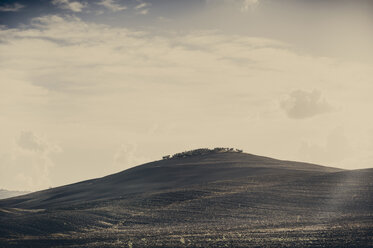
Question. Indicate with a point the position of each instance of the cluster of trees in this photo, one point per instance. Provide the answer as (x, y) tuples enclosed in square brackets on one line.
[(201, 151)]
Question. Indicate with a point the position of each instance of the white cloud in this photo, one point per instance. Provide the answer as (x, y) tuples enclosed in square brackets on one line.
[(141, 5), (241, 5), (142, 8), (127, 156), (112, 5), (302, 104), (248, 4), (144, 11), (11, 7), (69, 5), (29, 163)]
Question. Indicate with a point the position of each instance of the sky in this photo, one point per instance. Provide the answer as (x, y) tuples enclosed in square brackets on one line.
[(90, 88)]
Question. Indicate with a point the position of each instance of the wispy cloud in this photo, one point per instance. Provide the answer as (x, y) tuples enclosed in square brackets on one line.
[(248, 4), (241, 5), (69, 5), (127, 156), (11, 7), (30, 162), (144, 11), (142, 8), (141, 5), (112, 5), (29, 141)]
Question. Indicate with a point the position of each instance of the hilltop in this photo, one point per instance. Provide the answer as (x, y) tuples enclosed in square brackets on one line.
[(202, 151)]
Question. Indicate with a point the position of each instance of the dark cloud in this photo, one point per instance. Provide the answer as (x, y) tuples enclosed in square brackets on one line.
[(11, 7), (302, 104)]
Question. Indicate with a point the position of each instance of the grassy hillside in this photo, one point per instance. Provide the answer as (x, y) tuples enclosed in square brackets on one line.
[(211, 200)]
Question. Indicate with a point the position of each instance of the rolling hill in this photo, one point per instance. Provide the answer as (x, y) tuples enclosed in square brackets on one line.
[(228, 199), (11, 193)]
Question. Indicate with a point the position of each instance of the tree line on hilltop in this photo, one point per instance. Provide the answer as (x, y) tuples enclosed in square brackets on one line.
[(201, 151)]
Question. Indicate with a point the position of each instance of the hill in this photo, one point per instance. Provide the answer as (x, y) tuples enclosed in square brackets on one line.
[(220, 199), (11, 193)]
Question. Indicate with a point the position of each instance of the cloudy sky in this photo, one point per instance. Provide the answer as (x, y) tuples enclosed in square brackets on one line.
[(89, 88)]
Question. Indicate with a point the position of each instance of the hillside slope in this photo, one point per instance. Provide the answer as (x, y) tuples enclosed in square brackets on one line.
[(11, 193), (224, 199), (163, 174)]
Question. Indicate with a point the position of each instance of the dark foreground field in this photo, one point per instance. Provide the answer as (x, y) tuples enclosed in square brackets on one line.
[(215, 200)]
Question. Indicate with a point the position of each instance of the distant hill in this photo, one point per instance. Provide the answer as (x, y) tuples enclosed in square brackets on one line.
[(158, 175), (213, 199), (9, 193)]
